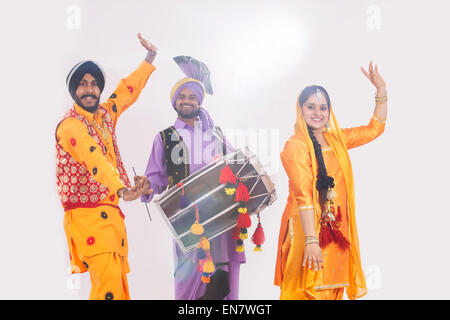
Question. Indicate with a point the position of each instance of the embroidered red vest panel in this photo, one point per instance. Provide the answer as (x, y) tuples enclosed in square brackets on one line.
[(76, 186)]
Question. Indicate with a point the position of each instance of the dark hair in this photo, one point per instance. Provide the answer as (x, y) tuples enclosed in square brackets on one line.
[(309, 91), (324, 182)]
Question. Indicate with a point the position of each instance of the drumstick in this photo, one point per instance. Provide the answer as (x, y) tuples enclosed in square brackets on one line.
[(148, 212)]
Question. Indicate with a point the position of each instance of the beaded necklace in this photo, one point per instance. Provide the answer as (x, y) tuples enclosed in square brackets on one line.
[(104, 130)]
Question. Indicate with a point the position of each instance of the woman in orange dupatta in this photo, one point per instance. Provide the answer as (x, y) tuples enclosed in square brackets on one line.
[(318, 249)]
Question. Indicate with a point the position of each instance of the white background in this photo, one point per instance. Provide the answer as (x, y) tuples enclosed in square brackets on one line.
[(261, 55)]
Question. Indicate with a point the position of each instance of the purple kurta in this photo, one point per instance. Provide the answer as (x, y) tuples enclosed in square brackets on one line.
[(202, 147)]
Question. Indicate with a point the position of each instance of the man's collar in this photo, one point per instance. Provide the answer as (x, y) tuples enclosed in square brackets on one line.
[(86, 114), (180, 124)]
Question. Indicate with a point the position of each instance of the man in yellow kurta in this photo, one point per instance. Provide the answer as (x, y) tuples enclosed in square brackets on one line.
[(91, 176)]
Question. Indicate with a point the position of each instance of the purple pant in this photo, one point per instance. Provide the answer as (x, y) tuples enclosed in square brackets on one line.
[(188, 284)]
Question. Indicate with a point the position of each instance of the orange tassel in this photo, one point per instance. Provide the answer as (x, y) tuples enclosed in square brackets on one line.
[(205, 279), (208, 266), (197, 228), (204, 244)]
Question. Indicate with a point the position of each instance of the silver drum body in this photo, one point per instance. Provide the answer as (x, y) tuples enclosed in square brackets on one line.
[(217, 211)]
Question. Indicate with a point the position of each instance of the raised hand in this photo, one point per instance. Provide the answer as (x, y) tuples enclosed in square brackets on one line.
[(151, 49), (374, 76), (147, 44)]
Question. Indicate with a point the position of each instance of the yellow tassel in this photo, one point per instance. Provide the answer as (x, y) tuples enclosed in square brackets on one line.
[(197, 228), (230, 191), (242, 210), (208, 266), (204, 244), (257, 249), (243, 236), (240, 248)]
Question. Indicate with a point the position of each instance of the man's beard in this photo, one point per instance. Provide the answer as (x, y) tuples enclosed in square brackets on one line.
[(190, 115), (88, 109)]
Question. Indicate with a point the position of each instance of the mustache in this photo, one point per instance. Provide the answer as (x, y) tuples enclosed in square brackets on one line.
[(88, 96)]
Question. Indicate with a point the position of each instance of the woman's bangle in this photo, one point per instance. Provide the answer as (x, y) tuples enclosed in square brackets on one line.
[(311, 239), (311, 242), (381, 99)]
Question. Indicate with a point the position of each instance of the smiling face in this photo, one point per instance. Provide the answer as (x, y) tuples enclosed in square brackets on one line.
[(187, 104), (88, 93), (316, 111)]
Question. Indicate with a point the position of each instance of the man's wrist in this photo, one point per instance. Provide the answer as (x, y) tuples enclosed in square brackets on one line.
[(121, 191), (150, 56)]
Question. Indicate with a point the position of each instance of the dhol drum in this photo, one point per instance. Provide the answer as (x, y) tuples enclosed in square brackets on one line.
[(217, 211)]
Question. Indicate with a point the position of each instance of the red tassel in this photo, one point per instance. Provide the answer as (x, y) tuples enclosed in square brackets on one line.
[(244, 221), (258, 237), (235, 233), (339, 215), (242, 193), (184, 202), (340, 240), (325, 236), (227, 176)]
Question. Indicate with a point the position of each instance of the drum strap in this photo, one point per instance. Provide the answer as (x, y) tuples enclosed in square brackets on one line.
[(180, 170), (219, 134)]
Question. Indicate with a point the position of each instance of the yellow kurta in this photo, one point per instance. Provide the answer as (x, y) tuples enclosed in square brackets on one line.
[(101, 229), (341, 268)]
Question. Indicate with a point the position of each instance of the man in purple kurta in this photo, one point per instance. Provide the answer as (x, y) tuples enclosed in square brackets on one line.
[(195, 129)]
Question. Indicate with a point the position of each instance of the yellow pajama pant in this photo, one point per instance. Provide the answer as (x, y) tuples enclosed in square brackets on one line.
[(330, 294), (108, 273)]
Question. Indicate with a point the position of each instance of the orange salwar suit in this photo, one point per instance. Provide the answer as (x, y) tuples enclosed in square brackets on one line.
[(341, 269)]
